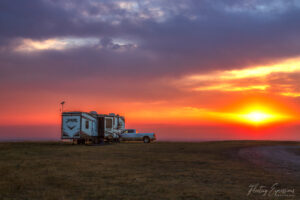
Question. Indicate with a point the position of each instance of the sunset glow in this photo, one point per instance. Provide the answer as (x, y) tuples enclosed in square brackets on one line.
[(287, 66), (159, 63), (252, 79)]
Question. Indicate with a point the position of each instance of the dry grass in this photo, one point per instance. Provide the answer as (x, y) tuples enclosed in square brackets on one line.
[(209, 170)]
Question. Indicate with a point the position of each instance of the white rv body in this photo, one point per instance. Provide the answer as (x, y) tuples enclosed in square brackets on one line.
[(76, 124), (91, 126)]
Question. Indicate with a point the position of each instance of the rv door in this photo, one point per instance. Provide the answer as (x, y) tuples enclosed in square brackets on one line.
[(108, 124), (101, 127)]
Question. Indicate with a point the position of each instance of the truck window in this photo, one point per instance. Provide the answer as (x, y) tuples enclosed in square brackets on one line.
[(108, 123), (130, 131), (87, 124)]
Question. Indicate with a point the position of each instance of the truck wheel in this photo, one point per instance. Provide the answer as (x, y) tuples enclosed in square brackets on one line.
[(146, 140)]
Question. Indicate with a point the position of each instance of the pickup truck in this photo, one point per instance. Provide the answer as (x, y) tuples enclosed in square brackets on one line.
[(132, 135)]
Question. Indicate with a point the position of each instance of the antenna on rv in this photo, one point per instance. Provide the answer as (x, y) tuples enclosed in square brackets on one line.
[(62, 106)]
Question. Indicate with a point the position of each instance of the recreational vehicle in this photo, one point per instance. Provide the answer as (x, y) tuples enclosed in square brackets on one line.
[(97, 128)]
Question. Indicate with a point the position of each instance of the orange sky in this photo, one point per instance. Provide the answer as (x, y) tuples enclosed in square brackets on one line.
[(221, 98), (184, 69)]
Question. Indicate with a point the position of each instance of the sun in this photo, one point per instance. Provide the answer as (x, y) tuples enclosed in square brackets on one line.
[(261, 114), (258, 117), (256, 114)]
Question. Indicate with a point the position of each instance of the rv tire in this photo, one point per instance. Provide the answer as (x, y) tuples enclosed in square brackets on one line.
[(81, 141)]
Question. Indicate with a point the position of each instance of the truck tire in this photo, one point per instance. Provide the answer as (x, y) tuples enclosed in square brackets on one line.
[(146, 140)]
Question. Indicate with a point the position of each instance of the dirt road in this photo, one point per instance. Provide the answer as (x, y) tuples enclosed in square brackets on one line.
[(281, 159)]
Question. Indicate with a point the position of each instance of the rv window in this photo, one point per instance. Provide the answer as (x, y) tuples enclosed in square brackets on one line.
[(108, 123), (87, 124)]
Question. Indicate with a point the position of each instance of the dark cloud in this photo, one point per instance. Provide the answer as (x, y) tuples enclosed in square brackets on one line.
[(161, 39)]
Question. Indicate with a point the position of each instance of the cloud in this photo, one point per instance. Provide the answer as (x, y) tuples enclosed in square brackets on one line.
[(187, 37), (290, 94), (231, 88), (60, 44), (281, 79), (28, 45), (140, 50)]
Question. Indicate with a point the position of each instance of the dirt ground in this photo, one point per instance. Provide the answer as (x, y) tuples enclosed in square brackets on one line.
[(208, 170), (279, 159)]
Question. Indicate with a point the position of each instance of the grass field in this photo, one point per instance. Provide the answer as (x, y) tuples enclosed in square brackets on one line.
[(208, 170)]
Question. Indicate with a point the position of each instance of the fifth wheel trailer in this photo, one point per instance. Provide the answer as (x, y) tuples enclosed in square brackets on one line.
[(97, 128)]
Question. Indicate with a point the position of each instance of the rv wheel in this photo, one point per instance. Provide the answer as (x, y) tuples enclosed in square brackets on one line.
[(81, 141), (146, 140)]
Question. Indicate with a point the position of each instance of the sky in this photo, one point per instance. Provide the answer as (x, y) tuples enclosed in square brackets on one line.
[(188, 70)]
